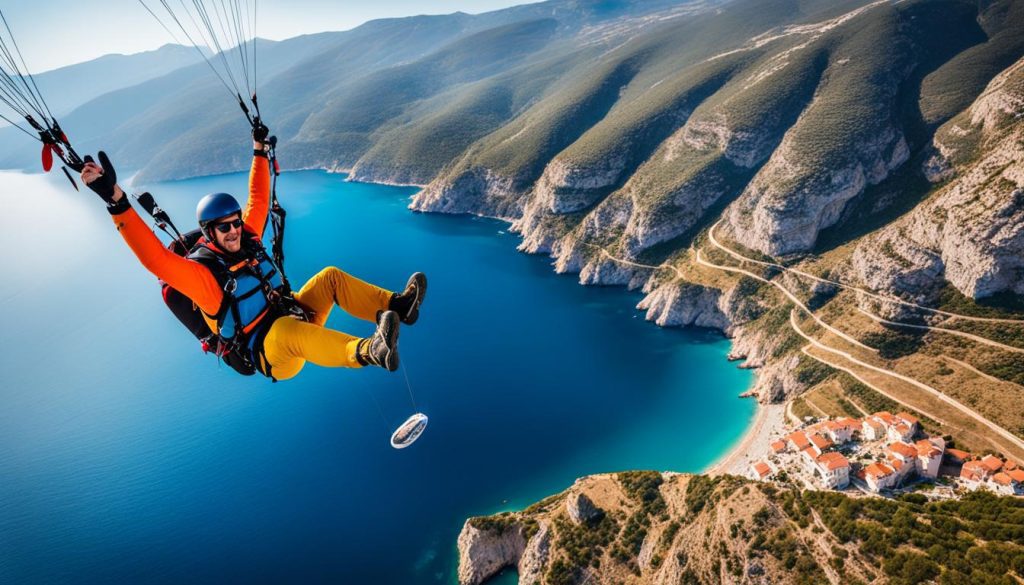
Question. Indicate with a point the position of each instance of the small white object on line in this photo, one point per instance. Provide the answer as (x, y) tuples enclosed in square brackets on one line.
[(409, 431)]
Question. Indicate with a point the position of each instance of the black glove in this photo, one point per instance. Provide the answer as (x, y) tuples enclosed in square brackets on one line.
[(260, 131), (104, 184)]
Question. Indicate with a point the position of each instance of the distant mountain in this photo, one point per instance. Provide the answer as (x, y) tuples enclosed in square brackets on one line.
[(838, 185), (316, 88), (68, 87)]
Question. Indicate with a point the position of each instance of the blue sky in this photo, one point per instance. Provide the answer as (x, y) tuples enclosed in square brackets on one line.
[(53, 33)]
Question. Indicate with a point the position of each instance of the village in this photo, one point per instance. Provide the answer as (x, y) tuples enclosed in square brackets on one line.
[(882, 454)]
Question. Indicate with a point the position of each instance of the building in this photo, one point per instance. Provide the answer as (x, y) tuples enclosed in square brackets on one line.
[(819, 443), (778, 447), (1002, 484), (957, 457), (929, 456), (842, 430), (992, 463), (973, 473), (872, 429), (880, 476), (760, 470), (809, 456), (909, 420), (798, 440), (833, 469), (900, 432), (1017, 476), (905, 452)]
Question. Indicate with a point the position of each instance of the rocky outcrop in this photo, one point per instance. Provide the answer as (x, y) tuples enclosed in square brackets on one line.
[(487, 546), (745, 148), (676, 304), (581, 509), (971, 232), (477, 191), (789, 202)]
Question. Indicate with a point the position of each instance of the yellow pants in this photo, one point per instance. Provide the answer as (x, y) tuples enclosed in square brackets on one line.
[(290, 343)]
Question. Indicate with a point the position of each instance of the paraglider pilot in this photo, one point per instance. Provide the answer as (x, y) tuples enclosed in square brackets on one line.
[(238, 291)]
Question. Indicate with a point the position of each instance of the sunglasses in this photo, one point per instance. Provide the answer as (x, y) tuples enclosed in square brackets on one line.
[(226, 226)]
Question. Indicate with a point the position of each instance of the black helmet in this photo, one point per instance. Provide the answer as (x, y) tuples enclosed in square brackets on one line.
[(213, 207)]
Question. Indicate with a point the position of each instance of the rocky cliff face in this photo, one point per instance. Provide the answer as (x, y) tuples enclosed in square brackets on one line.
[(648, 527), (971, 231), (487, 546), (477, 191)]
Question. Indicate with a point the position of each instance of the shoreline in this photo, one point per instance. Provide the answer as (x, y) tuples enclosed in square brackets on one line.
[(753, 445), (769, 420)]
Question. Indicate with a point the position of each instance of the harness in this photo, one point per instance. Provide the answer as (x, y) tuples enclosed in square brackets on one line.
[(254, 296), (255, 293)]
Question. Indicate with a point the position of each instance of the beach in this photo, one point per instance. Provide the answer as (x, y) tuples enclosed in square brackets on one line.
[(768, 424)]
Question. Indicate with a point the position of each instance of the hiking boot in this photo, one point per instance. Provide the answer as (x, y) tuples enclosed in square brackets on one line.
[(407, 303), (381, 349)]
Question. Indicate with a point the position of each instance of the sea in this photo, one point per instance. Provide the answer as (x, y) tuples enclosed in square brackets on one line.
[(129, 456)]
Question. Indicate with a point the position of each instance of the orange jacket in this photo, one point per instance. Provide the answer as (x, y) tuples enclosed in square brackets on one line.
[(189, 277)]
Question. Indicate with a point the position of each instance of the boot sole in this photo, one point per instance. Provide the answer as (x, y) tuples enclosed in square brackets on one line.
[(421, 293), (388, 329)]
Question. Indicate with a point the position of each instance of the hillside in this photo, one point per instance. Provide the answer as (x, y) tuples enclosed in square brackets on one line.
[(838, 186), (67, 88), (647, 527)]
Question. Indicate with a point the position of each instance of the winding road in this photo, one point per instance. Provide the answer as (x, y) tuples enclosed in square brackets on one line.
[(742, 258), (971, 413)]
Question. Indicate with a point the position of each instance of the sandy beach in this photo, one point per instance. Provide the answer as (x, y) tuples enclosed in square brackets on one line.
[(769, 423)]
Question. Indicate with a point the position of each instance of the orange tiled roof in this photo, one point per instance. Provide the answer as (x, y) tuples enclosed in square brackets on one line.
[(925, 448), (902, 429), (810, 452), (992, 463), (1002, 479), (973, 470), (1017, 475), (820, 442), (878, 470), (885, 417), (874, 424), (903, 449), (895, 463), (762, 469), (833, 461), (850, 423), (799, 439), (961, 455), (907, 417), (778, 446)]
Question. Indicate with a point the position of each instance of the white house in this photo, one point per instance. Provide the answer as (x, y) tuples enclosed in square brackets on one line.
[(880, 476), (760, 470), (834, 470), (900, 432), (872, 429), (929, 456)]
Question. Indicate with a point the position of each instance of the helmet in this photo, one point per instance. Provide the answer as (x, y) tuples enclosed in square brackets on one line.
[(213, 207)]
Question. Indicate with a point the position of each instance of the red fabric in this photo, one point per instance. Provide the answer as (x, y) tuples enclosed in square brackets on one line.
[(47, 157)]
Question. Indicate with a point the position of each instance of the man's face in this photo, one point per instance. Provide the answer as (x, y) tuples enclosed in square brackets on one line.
[(228, 232)]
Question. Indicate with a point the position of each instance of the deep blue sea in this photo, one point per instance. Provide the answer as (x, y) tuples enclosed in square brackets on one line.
[(128, 456)]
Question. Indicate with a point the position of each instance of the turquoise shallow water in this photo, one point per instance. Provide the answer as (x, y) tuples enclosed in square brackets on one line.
[(128, 456)]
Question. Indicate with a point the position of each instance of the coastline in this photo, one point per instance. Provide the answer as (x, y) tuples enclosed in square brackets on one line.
[(769, 420)]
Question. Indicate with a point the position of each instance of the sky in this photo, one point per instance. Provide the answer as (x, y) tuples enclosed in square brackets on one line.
[(54, 33)]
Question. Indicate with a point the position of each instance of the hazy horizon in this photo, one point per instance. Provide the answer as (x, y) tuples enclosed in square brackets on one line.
[(124, 26)]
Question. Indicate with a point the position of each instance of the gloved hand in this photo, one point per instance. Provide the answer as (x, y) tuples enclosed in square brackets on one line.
[(260, 132), (102, 181)]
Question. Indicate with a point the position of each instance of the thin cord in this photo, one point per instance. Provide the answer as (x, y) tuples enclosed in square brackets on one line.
[(409, 387)]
